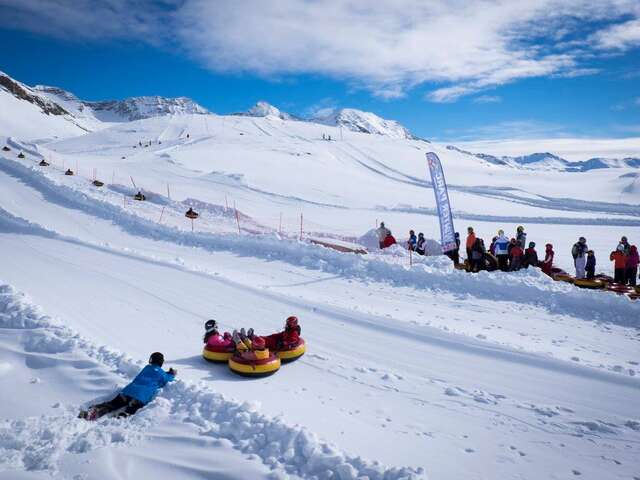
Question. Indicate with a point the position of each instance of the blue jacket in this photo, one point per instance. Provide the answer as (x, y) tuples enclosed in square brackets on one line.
[(502, 245), (147, 383)]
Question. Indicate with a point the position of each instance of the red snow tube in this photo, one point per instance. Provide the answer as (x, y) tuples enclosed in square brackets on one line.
[(260, 363), (621, 289), (292, 352)]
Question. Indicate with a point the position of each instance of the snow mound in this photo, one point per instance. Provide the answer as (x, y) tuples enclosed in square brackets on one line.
[(370, 240)]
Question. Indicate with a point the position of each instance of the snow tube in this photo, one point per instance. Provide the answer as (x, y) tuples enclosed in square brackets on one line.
[(260, 363), (191, 214), (621, 289), (562, 276), (97, 183), (140, 197), (21, 155), (292, 353), (69, 172), (604, 278), (633, 296), (589, 283), (217, 353), (43, 163)]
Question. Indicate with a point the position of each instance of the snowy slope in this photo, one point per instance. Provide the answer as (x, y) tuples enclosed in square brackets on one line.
[(414, 370), (363, 122)]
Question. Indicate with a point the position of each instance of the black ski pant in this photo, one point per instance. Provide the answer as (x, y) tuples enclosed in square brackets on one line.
[(630, 276), (618, 275), (503, 262), (132, 405), (591, 273)]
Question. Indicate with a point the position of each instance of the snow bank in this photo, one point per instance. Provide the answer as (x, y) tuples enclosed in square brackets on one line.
[(530, 286), (38, 443)]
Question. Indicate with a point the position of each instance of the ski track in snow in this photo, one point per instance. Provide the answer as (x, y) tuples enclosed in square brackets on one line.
[(38, 443)]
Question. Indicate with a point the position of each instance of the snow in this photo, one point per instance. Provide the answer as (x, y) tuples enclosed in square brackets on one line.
[(413, 370), (363, 122)]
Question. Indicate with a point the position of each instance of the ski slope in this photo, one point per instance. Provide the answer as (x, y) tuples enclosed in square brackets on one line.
[(413, 371)]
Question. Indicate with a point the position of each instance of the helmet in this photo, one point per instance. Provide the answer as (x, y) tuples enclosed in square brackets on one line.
[(421, 234), (469, 229), (500, 232), (292, 321), (621, 248), (520, 228), (548, 245), (258, 343), (582, 240), (156, 358), (532, 244), (210, 325)]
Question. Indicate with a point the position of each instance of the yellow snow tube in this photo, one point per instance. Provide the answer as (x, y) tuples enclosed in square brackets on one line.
[(563, 277), (292, 354), (214, 356), (589, 283), (254, 367)]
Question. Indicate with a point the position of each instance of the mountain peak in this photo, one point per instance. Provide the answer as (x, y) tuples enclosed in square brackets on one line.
[(138, 108), (363, 122), (265, 109)]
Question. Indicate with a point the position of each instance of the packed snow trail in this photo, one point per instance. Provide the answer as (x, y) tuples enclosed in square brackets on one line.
[(282, 447), (529, 287), (169, 303)]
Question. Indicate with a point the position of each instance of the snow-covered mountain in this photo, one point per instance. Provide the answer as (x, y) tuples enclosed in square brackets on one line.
[(77, 115), (549, 161), (265, 109), (364, 122)]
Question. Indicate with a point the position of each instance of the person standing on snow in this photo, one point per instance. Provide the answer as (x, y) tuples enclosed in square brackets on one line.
[(502, 251), (590, 268), (413, 240), (547, 264), (516, 253), (625, 243), (471, 240), (382, 233), (619, 260), (478, 252), (138, 393), (420, 250), (631, 270), (530, 256), (579, 253), (492, 247), (521, 237)]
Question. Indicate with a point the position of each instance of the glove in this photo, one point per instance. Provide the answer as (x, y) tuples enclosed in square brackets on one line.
[(173, 371)]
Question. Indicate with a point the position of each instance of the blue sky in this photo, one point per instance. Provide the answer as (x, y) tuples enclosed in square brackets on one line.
[(478, 70)]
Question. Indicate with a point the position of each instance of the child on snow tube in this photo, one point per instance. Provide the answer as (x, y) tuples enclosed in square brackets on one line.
[(288, 343), (255, 360), (218, 348)]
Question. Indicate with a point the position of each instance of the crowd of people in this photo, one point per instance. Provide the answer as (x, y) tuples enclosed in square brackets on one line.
[(511, 254)]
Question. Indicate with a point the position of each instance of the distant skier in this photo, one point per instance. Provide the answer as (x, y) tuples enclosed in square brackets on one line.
[(530, 256), (590, 267), (138, 393), (547, 264), (579, 253), (631, 271), (502, 251), (521, 237), (420, 244), (413, 240), (619, 260), (471, 240)]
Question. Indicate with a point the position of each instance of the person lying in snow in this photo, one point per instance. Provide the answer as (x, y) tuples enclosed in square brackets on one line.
[(138, 393)]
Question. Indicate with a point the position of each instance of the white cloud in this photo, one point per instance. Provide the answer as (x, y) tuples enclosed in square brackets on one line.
[(386, 46), (619, 37), (488, 99)]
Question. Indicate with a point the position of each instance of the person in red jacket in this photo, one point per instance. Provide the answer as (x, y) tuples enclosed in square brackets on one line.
[(388, 240), (516, 254), (632, 266), (547, 264), (619, 260), (287, 338), (471, 240)]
